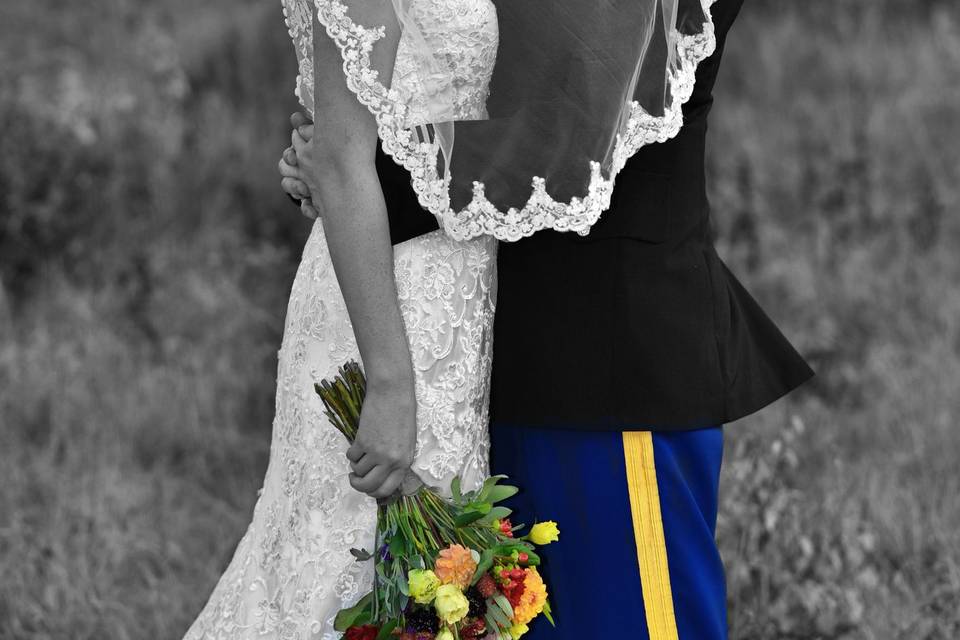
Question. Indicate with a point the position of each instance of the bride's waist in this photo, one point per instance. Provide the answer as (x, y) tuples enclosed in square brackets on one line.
[(434, 243)]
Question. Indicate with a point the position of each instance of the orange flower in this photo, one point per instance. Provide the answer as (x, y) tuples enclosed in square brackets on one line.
[(532, 600), (455, 565)]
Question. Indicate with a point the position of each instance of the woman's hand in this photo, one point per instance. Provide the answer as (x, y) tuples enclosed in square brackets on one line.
[(386, 440), (289, 166)]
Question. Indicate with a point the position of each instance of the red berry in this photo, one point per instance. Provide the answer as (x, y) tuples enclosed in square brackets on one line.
[(486, 585), (523, 557), (365, 632), (473, 630)]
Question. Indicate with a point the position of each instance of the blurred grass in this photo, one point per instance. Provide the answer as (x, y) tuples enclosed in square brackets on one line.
[(146, 255)]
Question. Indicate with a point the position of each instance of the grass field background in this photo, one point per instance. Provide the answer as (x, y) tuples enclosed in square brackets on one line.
[(146, 254)]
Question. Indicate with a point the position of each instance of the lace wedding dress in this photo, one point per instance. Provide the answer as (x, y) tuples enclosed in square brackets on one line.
[(292, 571)]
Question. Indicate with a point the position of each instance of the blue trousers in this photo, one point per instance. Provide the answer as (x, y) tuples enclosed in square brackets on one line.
[(637, 556)]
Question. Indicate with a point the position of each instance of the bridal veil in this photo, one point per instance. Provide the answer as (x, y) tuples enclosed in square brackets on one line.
[(576, 87)]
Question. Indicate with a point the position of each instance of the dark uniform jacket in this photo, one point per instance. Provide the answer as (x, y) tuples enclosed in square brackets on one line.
[(638, 325)]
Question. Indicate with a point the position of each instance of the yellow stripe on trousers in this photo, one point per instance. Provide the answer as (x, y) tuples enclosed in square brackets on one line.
[(648, 533)]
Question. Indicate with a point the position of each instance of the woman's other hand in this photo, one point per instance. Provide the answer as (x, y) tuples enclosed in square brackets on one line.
[(289, 168), (386, 441)]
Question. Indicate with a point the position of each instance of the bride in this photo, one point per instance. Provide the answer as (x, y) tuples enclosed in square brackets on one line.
[(418, 316)]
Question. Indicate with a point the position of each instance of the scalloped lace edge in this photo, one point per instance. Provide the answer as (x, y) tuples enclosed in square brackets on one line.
[(480, 216)]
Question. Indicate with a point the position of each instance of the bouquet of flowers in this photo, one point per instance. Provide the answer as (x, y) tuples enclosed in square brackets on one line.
[(444, 568)]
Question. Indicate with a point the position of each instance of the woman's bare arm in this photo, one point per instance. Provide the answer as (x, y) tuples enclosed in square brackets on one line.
[(335, 158)]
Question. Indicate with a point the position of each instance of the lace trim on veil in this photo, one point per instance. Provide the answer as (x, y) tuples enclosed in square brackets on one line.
[(480, 216)]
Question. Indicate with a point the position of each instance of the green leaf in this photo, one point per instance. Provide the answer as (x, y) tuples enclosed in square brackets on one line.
[(362, 555), (467, 517), (506, 548), (493, 625), (488, 485), (397, 546), (498, 513), (504, 604), (387, 629), (499, 615), (501, 492), (548, 613), (455, 488), (482, 507), (354, 616), (483, 565)]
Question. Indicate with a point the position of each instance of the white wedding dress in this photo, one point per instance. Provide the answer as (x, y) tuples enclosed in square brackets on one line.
[(292, 571)]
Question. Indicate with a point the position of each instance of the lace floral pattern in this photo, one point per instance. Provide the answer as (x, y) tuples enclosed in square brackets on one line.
[(463, 34), (467, 47), (480, 216), (292, 570)]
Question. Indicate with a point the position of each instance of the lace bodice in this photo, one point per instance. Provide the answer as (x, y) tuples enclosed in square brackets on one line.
[(463, 32)]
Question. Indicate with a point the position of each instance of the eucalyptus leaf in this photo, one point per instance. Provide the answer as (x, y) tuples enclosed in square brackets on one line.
[(504, 604), (493, 625), (499, 615)]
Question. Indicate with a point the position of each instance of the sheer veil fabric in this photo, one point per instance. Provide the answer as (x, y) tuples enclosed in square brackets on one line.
[(576, 87)]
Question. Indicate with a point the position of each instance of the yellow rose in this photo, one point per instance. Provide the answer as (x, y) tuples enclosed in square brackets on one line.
[(516, 631), (423, 585), (445, 634), (451, 604), (544, 533)]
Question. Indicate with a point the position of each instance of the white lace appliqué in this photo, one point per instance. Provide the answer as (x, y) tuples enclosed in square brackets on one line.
[(292, 571), (480, 216)]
